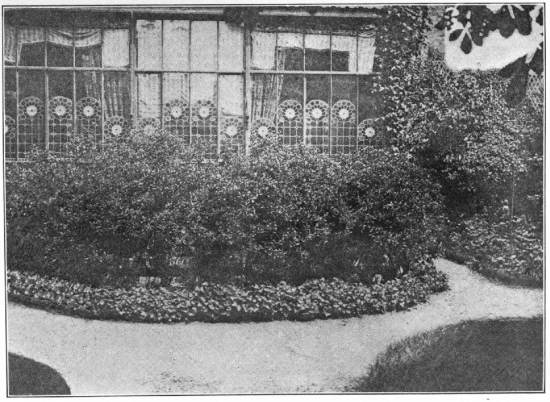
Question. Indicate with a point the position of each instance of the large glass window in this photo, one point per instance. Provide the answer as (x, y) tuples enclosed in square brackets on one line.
[(97, 77), (64, 79), (194, 79), (312, 87)]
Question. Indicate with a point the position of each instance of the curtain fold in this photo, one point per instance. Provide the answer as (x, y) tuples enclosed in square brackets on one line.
[(63, 37)]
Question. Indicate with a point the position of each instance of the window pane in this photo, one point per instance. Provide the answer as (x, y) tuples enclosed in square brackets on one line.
[(149, 44), (31, 111), (203, 45), (290, 52), (175, 87), (344, 53), (88, 105), (366, 54), (317, 111), (10, 44), (231, 47), (117, 104), (263, 50), (176, 104), (31, 46), (176, 45), (204, 119), (115, 48), (60, 47), (10, 115), (290, 110), (60, 109), (367, 110), (266, 94), (148, 95), (343, 121), (317, 52), (231, 107), (88, 47)]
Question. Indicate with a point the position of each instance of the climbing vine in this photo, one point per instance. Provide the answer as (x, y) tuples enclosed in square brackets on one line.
[(400, 38)]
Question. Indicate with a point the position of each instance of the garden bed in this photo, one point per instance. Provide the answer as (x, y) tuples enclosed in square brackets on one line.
[(509, 251), (209, 302)]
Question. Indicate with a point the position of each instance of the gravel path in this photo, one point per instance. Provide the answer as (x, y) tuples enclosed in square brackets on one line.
[(101, 357)]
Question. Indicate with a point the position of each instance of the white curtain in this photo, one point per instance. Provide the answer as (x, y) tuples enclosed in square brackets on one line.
[(114, 45)]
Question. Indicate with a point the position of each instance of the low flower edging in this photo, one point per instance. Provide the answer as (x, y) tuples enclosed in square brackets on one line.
[(315, 299)]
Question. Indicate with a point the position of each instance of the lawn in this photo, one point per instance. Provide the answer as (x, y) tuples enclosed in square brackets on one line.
[(27, 377), (476, 356)]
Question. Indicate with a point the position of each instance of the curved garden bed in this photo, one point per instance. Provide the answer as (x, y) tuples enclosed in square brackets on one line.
[(209, 302)]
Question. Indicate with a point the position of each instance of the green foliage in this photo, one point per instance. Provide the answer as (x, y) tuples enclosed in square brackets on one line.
[(210, 302), (400, 37), (457, 125), (281, 213), (508, 249)]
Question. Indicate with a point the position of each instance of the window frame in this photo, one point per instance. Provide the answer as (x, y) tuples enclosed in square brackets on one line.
[(46, 69), (331, 73), (189, 72), (132, 70)]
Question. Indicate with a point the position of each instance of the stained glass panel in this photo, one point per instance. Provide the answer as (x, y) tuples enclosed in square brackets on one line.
[(30, 111)]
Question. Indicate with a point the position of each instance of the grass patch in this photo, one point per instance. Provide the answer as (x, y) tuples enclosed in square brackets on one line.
[(27, 377), (475, 356)]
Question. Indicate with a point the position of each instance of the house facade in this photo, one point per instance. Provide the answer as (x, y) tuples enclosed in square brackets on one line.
[(216, 74)]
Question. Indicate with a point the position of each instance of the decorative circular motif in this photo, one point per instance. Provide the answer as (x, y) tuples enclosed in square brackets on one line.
[(366, 129), (61, 107), (88, 107), (317, 110), (31, 110), (31, 107), (343, 114), (115, 126), (204, 110), (369, 132), (88, 111), (263, 128), (316, 113), (148, 125), (231, 131), (60, 110), (343, 110), (176, 109), (116, 129), (232, 126), (289, 110), (263, 131), (176, 112), (290, 113), (9, 127)]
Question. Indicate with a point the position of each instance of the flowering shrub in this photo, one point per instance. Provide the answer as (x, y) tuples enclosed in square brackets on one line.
[(509, 249), (209, 302)]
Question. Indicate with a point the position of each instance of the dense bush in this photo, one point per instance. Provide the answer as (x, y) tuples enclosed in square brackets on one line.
[(458, 125), (318, 298), (280, 213), (507, 249)]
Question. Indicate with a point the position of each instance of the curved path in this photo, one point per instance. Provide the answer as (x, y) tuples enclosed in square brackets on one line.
[(102, 357)]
